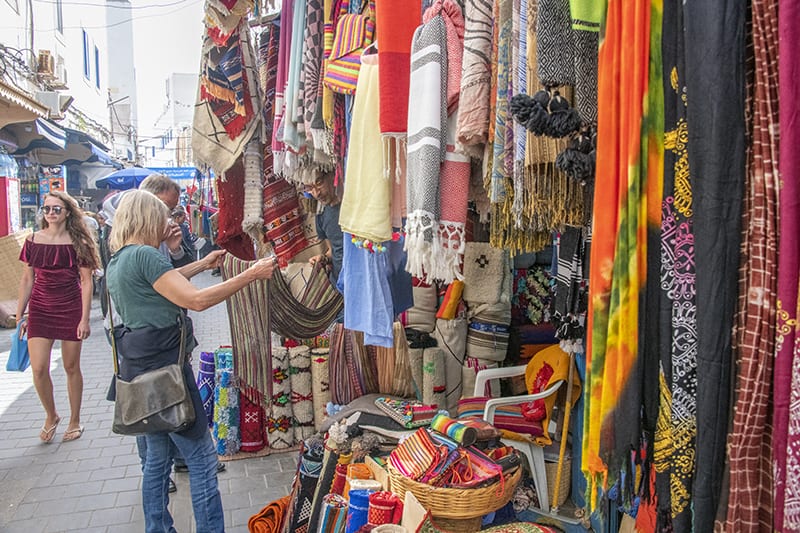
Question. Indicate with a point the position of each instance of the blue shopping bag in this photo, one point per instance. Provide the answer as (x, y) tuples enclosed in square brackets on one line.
[(19, 359)]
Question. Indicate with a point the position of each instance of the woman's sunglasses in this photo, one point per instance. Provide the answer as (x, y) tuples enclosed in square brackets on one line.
[(56, 209)]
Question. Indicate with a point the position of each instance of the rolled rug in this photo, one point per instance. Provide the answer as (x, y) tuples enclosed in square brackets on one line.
[(281, 433), (462, 434), (309, 471), (205, 383), (340, 473), (358, 511), (433, 377), (366, 484), (415, 361), (251, 425), (226, 404), (320, 384), (355, 472), (330, 459), (302, 397), (487, 341), (334, 514), (451, 337), (384, 508)]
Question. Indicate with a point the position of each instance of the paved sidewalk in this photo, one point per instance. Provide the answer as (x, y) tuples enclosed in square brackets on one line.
[(93, 484)]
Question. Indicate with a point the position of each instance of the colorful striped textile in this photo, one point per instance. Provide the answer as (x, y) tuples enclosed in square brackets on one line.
[(334, 514), (384, 508), (248, 313), (508, 417), (618, 261)]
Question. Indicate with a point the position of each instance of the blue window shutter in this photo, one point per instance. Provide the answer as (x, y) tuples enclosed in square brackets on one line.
[(87, 73)]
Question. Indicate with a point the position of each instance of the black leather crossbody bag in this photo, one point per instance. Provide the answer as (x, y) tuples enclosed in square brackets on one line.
[(153, 402)]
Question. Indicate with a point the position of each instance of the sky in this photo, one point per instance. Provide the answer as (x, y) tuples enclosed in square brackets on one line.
[(167, 35)]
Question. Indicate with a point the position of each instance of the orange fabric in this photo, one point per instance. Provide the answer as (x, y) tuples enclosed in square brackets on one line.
[(270, 518)]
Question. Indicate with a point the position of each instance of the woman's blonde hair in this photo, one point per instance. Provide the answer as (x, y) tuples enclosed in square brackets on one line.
[(79, 234), (141, 218)]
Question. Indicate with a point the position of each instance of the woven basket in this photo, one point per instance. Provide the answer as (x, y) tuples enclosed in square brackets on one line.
[(459, 504), (564, 485)]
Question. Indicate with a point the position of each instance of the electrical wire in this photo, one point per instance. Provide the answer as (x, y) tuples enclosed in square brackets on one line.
[(94, 4), (120, 23)]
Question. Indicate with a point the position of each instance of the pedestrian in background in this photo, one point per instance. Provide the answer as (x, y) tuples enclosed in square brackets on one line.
[(149, 294), (57, 288)]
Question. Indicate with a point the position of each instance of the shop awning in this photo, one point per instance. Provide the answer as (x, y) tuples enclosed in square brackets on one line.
[(80, 148), (16, 106), (40, 133)]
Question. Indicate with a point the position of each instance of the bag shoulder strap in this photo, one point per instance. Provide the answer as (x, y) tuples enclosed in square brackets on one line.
[(181, 349)]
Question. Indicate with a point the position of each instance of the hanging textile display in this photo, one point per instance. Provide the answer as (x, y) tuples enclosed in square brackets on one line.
[(230, 235), (279, 425), (312, 63), (427, 128), (228, 110), (617, 275), (294, 137), (716, 156), (784, 444), (248, 315), (554, 61), (473, 116), (397, 22), (302, 398), (365, 210), (283, 216), (750, 466), (320, 385), (252, 223), (281, 77), (205, 384), (499, 172), (226, 404)]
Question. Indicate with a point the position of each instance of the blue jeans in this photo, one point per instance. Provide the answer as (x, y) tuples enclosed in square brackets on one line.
[(201, 457), (141, 447)]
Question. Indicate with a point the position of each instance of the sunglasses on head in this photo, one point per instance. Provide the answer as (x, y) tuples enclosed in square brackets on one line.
[(56, 209)]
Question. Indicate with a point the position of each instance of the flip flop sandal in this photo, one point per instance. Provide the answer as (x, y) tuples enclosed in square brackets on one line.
[(47, 434), (73, 434)]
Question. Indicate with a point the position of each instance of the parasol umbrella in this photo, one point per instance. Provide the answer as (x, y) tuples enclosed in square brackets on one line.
[(127, 178)]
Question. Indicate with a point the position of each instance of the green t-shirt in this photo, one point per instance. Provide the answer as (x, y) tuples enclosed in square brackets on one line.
[(130, 277)]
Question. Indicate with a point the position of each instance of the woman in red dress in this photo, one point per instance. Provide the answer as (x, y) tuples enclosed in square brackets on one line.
[(57, 290)]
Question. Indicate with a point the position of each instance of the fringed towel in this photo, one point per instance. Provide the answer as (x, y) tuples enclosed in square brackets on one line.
[(473, 122), (293, 123), (366, 204), (555, 62), (284, 56), (427, 129)]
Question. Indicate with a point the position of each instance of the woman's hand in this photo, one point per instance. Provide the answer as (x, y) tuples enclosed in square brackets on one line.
[(316, 259), (263, 268), (22, 322), (84, 330), (173, 236), (214, 259)]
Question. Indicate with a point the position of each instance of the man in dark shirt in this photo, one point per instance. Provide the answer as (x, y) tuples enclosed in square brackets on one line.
[(327, 221)]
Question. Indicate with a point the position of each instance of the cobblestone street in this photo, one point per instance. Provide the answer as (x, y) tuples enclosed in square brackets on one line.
[(93, 484)]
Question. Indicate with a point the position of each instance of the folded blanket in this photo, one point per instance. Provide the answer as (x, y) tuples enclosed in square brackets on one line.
[(270, 518)]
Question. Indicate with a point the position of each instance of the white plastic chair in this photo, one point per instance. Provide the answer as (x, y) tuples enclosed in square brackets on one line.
[(532, 452)]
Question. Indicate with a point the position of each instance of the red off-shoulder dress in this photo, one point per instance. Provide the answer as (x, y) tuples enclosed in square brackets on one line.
[(54, 309)]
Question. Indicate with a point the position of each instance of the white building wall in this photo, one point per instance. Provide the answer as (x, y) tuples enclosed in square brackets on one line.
[(122, 105)]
